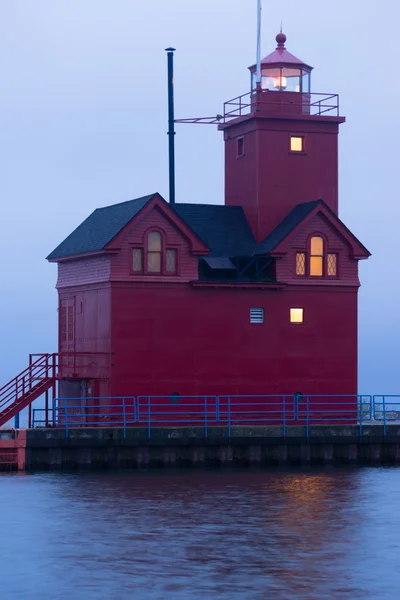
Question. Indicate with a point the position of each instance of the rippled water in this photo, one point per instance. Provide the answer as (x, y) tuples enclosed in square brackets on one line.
[(218, 535)]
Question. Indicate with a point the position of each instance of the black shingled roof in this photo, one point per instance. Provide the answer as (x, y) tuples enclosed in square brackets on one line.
[(285, 227), (224, 229), (99, 228)]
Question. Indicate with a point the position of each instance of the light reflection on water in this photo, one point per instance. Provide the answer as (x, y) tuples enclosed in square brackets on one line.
[(224, 535)]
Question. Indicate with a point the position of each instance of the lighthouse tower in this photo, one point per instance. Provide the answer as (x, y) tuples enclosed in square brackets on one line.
[(282, 149)]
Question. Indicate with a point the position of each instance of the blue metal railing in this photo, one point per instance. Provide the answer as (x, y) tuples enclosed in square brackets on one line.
[(221, 411)]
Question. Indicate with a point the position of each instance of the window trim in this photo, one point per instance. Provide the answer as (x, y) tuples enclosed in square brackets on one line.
[(146, 253), (337, 265), (303, 315), (303, 137), (305, 263), (177, 255), (132, 248), (240, 140), (326, 252), (164, 247)]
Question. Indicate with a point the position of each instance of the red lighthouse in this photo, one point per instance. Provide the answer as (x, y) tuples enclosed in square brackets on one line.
[(257, 296), (285, 150)]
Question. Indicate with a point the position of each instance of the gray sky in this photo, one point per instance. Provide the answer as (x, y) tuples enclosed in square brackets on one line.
[(83, 112)]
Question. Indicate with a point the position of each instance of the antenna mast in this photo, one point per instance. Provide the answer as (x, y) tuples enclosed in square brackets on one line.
[(259, 10)]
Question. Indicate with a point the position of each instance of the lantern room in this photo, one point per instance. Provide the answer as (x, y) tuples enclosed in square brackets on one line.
[(282, 72)]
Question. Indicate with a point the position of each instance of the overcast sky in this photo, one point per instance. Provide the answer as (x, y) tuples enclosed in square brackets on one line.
[(83, 111)]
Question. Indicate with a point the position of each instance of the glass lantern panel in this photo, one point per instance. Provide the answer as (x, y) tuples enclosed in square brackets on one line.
[(291, 80), (270, 79), (306, 82)]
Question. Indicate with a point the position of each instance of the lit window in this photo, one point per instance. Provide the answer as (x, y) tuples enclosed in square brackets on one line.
[(332, 265), (317, 257), (300, 263), (256, 315), (154, 251), (297, 315), (137, 260), (296, 144), (240, 147), (170, 260)]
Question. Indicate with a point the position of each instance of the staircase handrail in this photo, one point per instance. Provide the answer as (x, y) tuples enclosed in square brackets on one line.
[(42, 368)]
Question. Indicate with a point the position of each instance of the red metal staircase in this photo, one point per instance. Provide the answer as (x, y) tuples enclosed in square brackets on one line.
[(29, 385)]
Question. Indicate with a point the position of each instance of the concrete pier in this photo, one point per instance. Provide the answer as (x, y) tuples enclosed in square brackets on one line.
[(112, 448)]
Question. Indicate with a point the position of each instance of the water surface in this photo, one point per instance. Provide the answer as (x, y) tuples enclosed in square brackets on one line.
[(316, 534)]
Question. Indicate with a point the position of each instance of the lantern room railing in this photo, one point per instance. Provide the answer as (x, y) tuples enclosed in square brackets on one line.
[(274, 103)]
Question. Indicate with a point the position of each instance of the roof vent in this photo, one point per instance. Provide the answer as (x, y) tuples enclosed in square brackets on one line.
[(256, 315)]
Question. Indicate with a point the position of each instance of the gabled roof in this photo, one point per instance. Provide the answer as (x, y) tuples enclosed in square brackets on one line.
[(99, 228), (285, 227), (276, 241), (224, 229)]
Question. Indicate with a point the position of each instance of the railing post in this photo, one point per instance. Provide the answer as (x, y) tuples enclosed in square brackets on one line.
[(284, 415), (30, 416), (66, 419), (229, 416), (307, 416), (217, 414), (54, 411), (384, 415), (47, 408), (134, 410), (360, 417), (205, 417), (124, 414), (148, 417)]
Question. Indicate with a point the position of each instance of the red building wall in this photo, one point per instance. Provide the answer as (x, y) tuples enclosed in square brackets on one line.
[(85, 350), (269, 180), (198, 341), (84, 271)]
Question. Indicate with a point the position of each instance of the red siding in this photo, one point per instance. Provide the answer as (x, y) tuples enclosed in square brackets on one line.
[(134, 236), (200, 341), (347, 266), (92, 334), (269, 180), (83, 271)]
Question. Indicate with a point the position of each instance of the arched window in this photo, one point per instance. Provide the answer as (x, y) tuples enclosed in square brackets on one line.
[(154, 252), (317, 257)]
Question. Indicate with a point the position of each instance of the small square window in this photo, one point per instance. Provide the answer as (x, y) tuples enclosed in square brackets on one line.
[(240, 147), (332, 265), (137, 260), (297, 315), (300, 263), (170, 260), (296, 144), (256, 315)]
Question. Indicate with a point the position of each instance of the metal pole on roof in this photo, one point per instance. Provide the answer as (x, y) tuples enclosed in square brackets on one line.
[(171, 124), (259, 11)]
